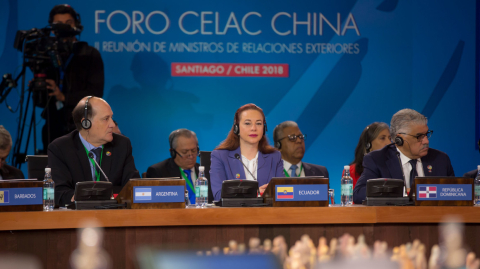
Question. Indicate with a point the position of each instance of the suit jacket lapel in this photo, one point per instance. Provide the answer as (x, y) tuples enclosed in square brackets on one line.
[(173, 169), (425, 164), (236, 166), (83, 158), (263, 170), (196, 169), (309, 172), (107, 160), (393, 164)]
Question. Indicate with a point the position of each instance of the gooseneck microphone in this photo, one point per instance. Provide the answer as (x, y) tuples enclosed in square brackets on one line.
[(93, 158), (240, 159)]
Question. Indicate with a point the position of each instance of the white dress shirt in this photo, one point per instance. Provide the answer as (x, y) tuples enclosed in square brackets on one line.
[(252, 165), (287, 166), (407, 168)]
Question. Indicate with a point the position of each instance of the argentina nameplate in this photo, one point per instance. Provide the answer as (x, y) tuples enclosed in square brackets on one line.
[(159, 194)]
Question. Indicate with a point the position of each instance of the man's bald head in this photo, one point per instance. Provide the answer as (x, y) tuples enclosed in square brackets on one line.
[(78, 112)]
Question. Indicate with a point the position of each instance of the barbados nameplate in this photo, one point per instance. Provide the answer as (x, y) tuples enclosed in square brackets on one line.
[(302, 192), (21, 196), (444, 192), (159, 194)]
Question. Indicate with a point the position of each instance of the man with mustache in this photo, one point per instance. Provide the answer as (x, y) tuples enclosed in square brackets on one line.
[(411, 149), (290, 141)]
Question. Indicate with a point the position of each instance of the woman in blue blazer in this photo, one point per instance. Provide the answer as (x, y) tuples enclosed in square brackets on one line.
[(246, 142)]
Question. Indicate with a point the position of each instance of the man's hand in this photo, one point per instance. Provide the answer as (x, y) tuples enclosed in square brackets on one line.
[(51, 85)]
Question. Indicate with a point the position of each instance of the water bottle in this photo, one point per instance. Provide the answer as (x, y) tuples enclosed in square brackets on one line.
[(477, 187), (201, 188), (187, 199), (346, 188), (48, 191)]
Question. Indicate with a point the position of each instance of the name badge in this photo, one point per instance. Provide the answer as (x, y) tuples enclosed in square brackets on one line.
[(303, 192), (21, 196), (444, 192), (159, 194)]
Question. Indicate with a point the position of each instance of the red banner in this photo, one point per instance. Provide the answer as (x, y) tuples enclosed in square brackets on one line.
[(229, 70)]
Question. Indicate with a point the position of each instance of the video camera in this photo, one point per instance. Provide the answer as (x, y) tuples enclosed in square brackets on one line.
[(42, 49)]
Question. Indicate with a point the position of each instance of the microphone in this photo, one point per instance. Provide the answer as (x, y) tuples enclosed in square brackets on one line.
[(93, 158), (240, 159)]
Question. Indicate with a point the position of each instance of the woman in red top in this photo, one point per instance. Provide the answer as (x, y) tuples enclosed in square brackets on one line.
[(374, 136)]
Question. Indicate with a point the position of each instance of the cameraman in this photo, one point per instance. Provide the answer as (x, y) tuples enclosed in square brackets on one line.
[(80, 75)]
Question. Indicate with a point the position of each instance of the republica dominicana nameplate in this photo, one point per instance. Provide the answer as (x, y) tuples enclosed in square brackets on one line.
[(444, 192), (303, 192), (159, 194)]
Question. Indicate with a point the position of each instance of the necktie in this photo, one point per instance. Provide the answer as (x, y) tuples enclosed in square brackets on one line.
[(413, 173), (294, 170), (97, 152), (191, 193)]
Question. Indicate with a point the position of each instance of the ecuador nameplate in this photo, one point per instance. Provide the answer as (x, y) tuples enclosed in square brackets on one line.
[(444, 192), (304, 192), (159, 194), (21, 196)]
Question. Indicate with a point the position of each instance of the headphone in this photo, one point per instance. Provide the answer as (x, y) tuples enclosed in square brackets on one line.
[(399, 141), (278, 145), (236, 128), (368, 144), (76, 16), (173, 152), (86, 123)]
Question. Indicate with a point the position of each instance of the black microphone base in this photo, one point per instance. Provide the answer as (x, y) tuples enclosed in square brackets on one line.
[(387, 201), (81, 205), (241, 202)]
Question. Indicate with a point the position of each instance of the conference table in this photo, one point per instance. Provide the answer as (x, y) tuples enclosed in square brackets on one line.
[(52, 236)]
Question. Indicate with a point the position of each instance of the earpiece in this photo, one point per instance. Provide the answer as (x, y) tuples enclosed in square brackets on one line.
[(236, 129), (278, 145), (86, 123), (399, 141)]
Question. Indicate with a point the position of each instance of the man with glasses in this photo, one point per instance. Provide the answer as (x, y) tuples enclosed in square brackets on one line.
[(182, 162), (408, 157), (290, 141)]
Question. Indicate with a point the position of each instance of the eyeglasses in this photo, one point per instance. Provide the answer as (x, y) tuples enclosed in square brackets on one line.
[(188, 153), (293, 138), (420, 137)]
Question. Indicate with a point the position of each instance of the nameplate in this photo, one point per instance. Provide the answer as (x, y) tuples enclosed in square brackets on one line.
[(302, 192), (444, 192), (159, 194), (21, 196)]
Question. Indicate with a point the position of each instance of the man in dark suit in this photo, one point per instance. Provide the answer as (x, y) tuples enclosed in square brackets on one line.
[(7, 171), (182, 162), (68, 155), (408, 157), (290, 141)]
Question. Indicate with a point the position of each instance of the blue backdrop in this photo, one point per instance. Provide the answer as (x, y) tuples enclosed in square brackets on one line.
[(350, 63)]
